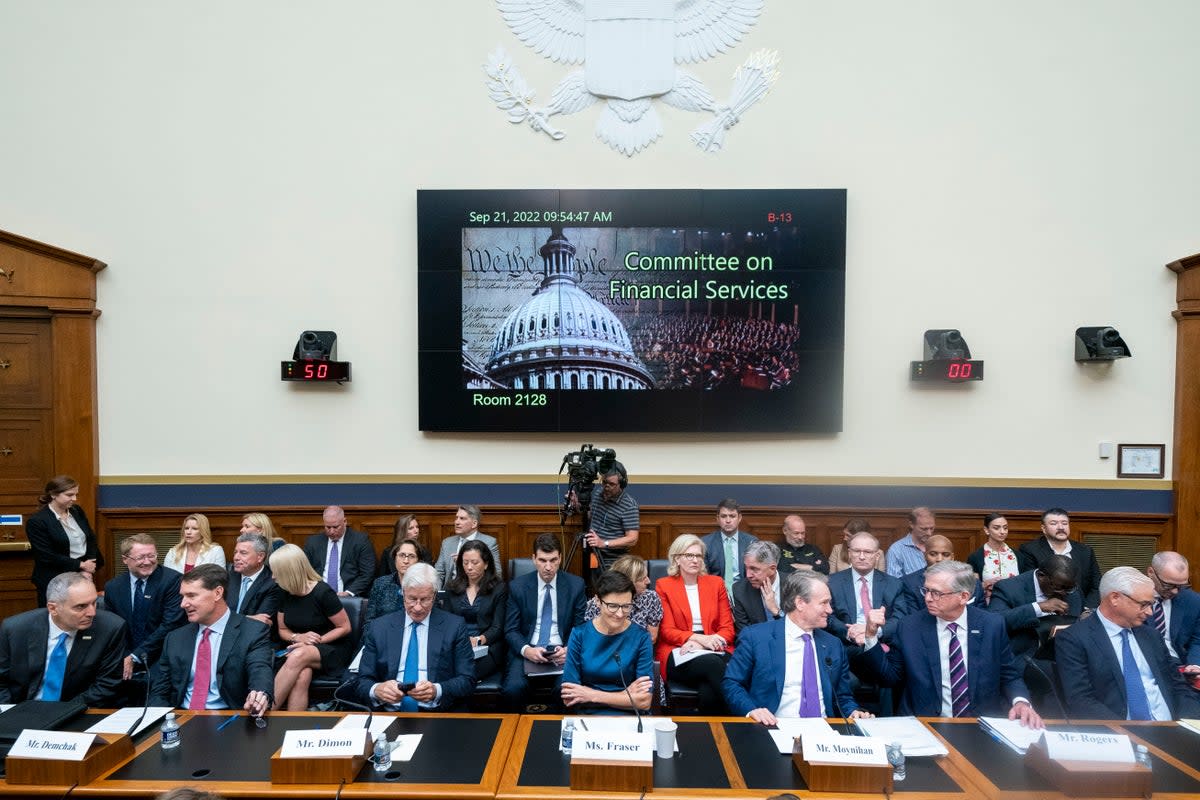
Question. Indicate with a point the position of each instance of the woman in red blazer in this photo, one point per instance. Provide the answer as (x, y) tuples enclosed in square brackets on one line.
[(696, 620)]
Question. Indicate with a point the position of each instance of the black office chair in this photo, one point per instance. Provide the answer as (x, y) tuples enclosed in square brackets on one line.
[(323, 686), (520, 566), (656, 568)]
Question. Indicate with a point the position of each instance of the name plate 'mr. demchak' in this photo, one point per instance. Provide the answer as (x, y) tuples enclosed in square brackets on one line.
[(56, 745), (323, 743)]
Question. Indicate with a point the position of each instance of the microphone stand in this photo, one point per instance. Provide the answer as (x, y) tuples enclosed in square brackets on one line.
[(629, 694)]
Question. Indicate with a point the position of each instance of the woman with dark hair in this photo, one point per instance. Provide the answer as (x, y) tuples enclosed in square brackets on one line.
[(995, 560), (477, 594), (608, 654), (405, 529), (60, 537), (387, 595)]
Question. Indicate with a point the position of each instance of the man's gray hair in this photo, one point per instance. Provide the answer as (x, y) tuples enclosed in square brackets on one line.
[(472, 511), (1123, 580), (1168, 558), (60, 585), (261, 545), (763, 552), (962, 577), (799, 584), (419, 576)]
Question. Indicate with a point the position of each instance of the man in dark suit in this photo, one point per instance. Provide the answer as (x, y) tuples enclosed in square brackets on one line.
[(146, 596), (543, 607), (725, 541), (253, 593), (768, 676), (1111, 666), (937, 548), (756, 598), (1056, 538), (219, 659), (352, 568), (1176, 610), (69, 632), (421, 645), (955, 660), (847, 588), (1033, 603)]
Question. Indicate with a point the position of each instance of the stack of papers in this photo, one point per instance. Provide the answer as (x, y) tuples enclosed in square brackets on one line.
[(1192, 725), (1010, 732), (914, 738), (119, 721), (403, 747), (791, 727)]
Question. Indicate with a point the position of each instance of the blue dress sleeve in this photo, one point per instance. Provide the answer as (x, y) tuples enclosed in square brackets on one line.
[(573, 666)]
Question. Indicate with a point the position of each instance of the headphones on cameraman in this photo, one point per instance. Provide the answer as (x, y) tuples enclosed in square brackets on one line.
[(622, 475)]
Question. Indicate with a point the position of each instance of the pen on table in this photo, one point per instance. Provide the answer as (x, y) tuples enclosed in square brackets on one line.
[(227, 722), (583, 724)]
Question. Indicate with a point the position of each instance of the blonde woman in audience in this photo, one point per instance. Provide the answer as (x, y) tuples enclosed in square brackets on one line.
[(195, 546), (258, 522), (647, 608), (839, 557)]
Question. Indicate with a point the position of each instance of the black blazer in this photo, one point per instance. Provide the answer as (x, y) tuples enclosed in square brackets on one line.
[(748, 608), (243, 662), (93, 667), (52, 549), (449, 660), (1012, 598), (1032, 554), (164, 612), (886, 591), (357, 569), (489, 616), (263, 597)]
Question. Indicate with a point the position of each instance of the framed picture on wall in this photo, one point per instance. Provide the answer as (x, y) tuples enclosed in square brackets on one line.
[(1140, 460)]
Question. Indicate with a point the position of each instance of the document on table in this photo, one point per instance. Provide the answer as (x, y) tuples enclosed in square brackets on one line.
[(120, 721), (914, 738), (1192, 725), (1010, 732), (682, 658), (791, 727), (379, 722), (405, 746)]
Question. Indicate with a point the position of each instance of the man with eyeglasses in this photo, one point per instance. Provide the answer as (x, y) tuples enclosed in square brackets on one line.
[(859, 590), (1112, 666), (1176, 610), (146, 596), (1034, 603), (955, 660)]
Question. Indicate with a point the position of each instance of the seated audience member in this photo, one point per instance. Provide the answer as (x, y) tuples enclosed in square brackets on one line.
[(796, 553), (756, 598), (1111, 666), (908, 554), (420, 645), (974, 673), (146, 596), (608, 654), (478, 595), (994, 560), (697, 623), (1176, 610), (252, 593), (195, 546), (311, 623), (791, 667), (857, 591), (543, 607), (466, 529), (260, 523), (1033, 603), (387, 592), (219, 659), (406, 529), (1056, 539), (839, 556), (647, 608), (937, 548), (725, 547), (342, 557), (64, 651)]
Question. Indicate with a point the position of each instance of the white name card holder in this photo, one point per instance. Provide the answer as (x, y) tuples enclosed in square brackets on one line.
[(612, 762), (321, 756), (58, 758), (843, 764), (1089, 765)]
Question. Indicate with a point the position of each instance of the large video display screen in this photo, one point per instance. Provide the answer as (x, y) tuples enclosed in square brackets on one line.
[(642, 310)]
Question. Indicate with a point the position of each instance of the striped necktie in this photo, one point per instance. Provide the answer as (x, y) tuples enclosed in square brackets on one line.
[(960, 698)]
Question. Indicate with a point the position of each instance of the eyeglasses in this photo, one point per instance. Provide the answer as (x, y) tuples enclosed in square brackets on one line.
[(1179, 587), (690, 555), (1142, 604), (407, 556), (934, 594), (146, 559), (617, 608), (411, 600), (863, 552)]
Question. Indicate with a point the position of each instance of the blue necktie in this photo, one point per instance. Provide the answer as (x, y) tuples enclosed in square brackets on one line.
[(242, 594), (412, 666), (547, 618), (56, 669), (1135, 692), (138, 634)]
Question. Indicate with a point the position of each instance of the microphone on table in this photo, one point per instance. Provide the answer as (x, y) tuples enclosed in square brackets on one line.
[(1030, 661), (142, 716), (629, 694), (370, 711), (851, 730)]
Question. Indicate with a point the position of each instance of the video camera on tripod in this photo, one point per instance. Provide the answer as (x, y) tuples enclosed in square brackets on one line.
[(583, 467)]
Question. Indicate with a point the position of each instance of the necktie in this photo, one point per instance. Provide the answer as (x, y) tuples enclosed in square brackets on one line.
[(810, 704), (730, 563), (864, 597), (412, 667), (242, 594), (138, 634), (56, 669), (331, 569), (547, 619), (1159, 618), (1135, 692), (203, 673), (959, 694)]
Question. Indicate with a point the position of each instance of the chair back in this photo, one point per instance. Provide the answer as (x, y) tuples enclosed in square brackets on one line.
[(520, 566), (656, 568), (356, 610)]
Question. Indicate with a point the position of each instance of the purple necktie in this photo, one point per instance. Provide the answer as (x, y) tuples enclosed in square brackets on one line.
[(959, 694), (331, 569), (1159, 618), (810, 703)]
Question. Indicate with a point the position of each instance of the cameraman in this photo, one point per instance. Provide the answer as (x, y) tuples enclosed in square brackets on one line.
[(614, 517)]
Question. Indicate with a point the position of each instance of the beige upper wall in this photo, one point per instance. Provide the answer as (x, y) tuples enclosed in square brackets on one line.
[(248, 170)]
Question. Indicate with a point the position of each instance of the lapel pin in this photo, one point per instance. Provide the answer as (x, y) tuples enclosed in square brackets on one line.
[(86, 638), (975, 633)]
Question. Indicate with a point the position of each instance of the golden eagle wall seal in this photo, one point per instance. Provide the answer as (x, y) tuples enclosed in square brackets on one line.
[(630, 52)]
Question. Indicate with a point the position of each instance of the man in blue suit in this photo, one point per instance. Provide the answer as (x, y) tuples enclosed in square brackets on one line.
[(1034, 603), (791, 667), (955, 660), (1176, 610), (147, 598), (1111, 666), (937, 548), (727, 539), (421, 645), (543, 607), (847, 589)]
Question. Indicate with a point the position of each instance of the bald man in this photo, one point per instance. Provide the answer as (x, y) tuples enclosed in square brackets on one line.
[(937, 548)]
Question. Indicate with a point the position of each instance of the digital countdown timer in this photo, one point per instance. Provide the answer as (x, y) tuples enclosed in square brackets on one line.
[(315, 371), (952, 370)]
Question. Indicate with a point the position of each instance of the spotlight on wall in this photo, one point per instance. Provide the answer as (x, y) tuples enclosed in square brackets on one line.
[(1103, 343), (315, 360), (947, 358)]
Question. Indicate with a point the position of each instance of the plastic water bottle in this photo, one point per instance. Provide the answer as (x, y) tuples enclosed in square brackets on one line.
[(895, 757), (1143, 757), (170, 732), (568, 736), (383, 753)]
